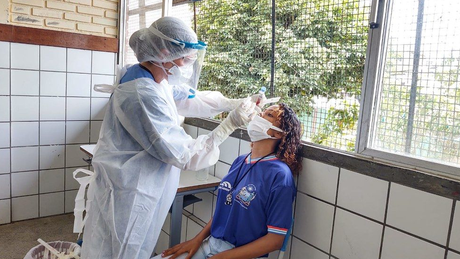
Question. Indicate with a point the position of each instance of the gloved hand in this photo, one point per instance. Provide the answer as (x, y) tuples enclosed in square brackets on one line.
[(261, 100), (241, 116)]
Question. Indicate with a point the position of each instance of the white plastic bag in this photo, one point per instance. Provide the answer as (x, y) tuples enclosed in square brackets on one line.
[(40, 252)]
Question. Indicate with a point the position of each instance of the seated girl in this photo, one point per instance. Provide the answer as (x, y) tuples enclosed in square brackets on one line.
[(254, 202)]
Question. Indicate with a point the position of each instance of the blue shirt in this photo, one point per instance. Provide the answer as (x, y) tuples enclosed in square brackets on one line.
[(135, 72), (261, 201)]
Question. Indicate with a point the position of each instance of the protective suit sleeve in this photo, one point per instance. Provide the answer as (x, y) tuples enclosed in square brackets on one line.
[(193, 103), (149, 119)]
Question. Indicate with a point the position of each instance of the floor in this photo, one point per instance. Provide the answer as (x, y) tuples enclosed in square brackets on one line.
[(16, 239)]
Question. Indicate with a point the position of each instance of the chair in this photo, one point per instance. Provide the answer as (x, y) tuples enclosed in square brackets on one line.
[(286, 241)]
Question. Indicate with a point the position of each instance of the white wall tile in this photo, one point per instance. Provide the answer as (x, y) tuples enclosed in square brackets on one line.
[(203, 209), (98, 107), (313, 221), (4, 108), (95, 130), (455, 233), (4, 161), (53, 58), (52, 181), (52, 157), (74, 156), (24, 108), (70, 182), (167, 224), (78, 61), (25, 183), (100, 79), (24, 158), (5, 135), (192, 229), (52, 83), (5, 186), (221, 170), (420, 213), (78, 108), (52, 132), (24, 133), (5, 209), (302, 250), (191, 130), (245, 147), (363, 194), (4, 54), (229, 150), (24, 56), (355, 236), (103, 63), (399, 245), (52, 108), (78, 85), (4, 81), (202, 131), (25, 82), (77, 132), (162, 243), (452, 255), (25, 207), (70, 200), (319, 180), (51, 204)]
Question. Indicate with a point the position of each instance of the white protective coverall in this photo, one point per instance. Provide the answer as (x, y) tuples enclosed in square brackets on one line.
[(137, 162)]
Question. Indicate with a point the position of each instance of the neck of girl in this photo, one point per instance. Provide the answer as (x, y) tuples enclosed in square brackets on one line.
[(263, 147)]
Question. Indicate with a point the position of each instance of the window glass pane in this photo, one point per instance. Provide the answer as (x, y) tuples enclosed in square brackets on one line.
[(320, 53), (418, 108), (183, 12), (132, 25), (237, 61)]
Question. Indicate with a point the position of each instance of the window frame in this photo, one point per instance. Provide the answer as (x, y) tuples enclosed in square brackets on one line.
[(370, 98)]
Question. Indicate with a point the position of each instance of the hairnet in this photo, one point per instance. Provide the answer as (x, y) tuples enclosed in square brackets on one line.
[(148, 45)]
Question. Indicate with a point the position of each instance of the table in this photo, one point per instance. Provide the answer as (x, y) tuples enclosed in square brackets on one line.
[(188, 185)]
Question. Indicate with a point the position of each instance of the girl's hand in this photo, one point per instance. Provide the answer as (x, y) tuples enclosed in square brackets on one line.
[(189, 247)]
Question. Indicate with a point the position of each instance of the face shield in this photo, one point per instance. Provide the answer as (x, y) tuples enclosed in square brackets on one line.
[(191, 63)]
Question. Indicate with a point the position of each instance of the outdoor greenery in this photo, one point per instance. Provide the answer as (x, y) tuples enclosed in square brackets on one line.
[(319, 52)]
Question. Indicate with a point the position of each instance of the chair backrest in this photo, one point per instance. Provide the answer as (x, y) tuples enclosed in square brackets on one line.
[(286, 241)]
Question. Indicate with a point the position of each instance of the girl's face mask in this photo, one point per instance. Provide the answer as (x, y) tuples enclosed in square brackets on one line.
[(258, 128)]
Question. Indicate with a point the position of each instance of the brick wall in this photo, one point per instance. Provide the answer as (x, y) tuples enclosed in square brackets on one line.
[(94, 17)]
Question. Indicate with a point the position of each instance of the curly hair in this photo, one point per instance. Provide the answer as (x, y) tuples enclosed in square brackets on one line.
[(289, 148)]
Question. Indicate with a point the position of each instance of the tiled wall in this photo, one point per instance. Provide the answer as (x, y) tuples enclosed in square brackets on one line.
[(47, 110), (95, 17), (347, 215)]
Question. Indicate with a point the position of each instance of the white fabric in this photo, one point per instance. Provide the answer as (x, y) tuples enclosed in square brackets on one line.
[(258, 129), (82, 204), (137, 162)]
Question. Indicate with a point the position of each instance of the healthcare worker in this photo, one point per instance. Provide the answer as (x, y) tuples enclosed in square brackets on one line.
[(142, 147)]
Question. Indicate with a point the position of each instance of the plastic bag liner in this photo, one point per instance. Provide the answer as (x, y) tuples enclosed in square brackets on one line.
[(40, 252)]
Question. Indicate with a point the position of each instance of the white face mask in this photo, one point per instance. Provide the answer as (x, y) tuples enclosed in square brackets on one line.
[(258, 128), (178, 75)]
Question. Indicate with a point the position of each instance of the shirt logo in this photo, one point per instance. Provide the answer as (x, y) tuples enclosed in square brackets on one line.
[(246, 195), (226, 186)]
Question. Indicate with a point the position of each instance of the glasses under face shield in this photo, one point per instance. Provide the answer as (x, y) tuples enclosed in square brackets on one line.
[(193, 63)]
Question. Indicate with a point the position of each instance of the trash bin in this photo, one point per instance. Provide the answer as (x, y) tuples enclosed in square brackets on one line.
[(40, 252)]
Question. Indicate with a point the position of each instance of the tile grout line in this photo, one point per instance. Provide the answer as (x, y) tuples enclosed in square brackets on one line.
[(385, 220)]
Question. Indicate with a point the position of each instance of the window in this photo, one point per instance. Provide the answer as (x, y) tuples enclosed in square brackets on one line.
[(390, 92), (414, 90)]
